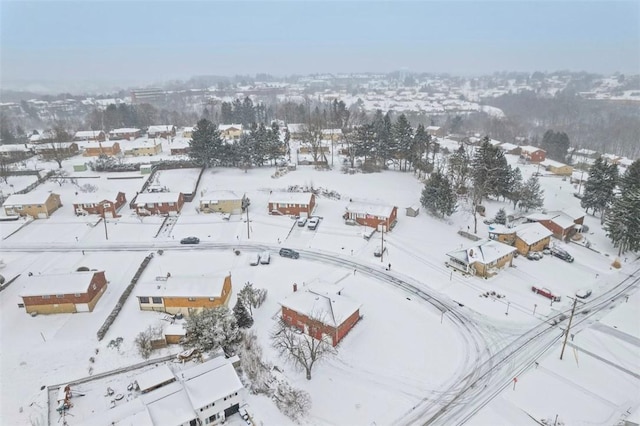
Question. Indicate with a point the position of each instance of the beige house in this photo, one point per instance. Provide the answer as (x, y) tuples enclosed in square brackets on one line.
[(142, 147), (557, 168), (485, 258), (532, 237), (38, 205), (230, 131), (223, 202), (96, 149)]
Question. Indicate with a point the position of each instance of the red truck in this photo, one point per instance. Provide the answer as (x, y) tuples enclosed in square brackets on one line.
[(546, 293)]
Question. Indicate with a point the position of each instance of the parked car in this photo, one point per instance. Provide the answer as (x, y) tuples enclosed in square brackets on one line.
[(290, 253), (583, 293), (546, 250), (265, 257), (254, 259), (313, 223), (190, 240), (378, 251), (561, 254), (302, 221), (534, 255), (546, 293)]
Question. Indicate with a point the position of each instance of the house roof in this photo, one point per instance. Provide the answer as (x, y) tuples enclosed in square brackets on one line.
[(50, 284), (331, 131), (14, 148), (225, 127), (161, 128), (370, 209), (508, 146), (34, 197), (103, 144), (200, 389), (291, 197), (529, 148), (552, 163), (496, 228), (531, 233), (215, 196), (182, 286), (434, 128), (124, 130), (157, 197), (142, 143), (88, 133), (330, 309), (574, 213), (95, 197), (559, 218), (154, 377), (296, 127), (54, 145), (485, 251), (169, 405)]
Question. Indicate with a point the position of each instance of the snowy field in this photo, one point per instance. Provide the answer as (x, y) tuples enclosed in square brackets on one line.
[(401, 352)]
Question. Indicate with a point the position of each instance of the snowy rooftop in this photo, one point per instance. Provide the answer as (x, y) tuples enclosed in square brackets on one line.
[(70, 283), (530, 148), (160, 128), (154, 377), (296, 127), (103, 144), (486, 251), (142, 143), (370, 209), (291, 197), (157, 197), (552, 163), (214, 196), (559, 218), (124, 130), (531, 233), (508, 146), (88, 133), (95, 197), (182, 286), (34, 197), (223, 127), (224, 379), (331, 309)]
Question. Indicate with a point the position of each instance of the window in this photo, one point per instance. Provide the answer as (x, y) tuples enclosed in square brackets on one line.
[(77, 295), (171, 204), (212, 299), (46, 296), (156, 299), (94, 286), (59, 296), (144, 299), (192, 299), (150, 205)]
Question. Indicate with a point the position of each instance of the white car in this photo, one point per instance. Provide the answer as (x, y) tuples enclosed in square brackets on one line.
[(265, 258), (313, 223), (254, 259), (302, 221), (583, 293)]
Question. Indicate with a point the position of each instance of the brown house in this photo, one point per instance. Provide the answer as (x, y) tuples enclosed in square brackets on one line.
[(125, 133), (532, 237), (162, 131), (54, 150), (102, 204), (533, 153), (292, 203), (503, 234), (179, 146), (162, 203), (562, 224), (323, 316), (484, 258), (38, 204), (96, 149), (63, 293), (373, 215), (183, 294), (90, 135)]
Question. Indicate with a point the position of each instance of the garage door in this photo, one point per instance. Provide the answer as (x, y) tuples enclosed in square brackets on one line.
[(231, 410), (82, 307), (42, 215)]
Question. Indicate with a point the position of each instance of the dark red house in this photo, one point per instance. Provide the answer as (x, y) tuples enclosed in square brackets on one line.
[(102, 204), (159, 203), (326, 317), (533, 153), (292, 203), (373, 215), (62, 293)]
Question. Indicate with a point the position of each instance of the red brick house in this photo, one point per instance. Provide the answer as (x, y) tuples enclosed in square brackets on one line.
[(292, 203), (323, 316), (160, 203), (373, 215), (532, 153), (99, 203), (62, 293)]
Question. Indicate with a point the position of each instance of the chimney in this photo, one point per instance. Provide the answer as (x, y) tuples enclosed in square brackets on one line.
[(295, 287)]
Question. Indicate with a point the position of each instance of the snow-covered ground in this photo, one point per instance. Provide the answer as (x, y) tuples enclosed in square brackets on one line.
[(401, 352)]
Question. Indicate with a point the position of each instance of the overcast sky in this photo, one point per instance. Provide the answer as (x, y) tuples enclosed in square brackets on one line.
[(153, 41)]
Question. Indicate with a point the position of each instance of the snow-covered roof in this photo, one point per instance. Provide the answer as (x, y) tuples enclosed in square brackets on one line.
[(88, 133), (154, 377), (552, 163), (303, 198), (161, 128), (124, 130), (324, 288), (14, 148), (573, 212), (157, 197), (433, 128), (508, 146), (169, 405), (531, 233), (331, 131), (225, 127), (69, 283), (54, 145), (95, 197), (559, 218), (103, 144), (296, 127), (188, 129), (142, 143), (330, 309), (200, 389), (485, 251), (585, 151), (182, 286), (215, 196), (370, 209), (497, 228), (33, 197), (529, 148), (175, 329)]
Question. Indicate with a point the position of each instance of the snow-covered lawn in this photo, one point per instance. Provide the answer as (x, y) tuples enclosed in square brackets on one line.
[(397, 355)]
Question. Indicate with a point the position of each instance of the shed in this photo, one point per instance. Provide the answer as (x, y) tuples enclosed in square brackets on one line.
[(154, 378), (80, 167), (413, 211), (146, 169)]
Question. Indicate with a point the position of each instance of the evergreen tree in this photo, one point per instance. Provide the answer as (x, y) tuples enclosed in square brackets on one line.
[(623, 221), (243, 318), (515, 187), (243, 152), (501, 217), (459, 170), (248, 112), (364, 143), (531, 196), (206, 144), (599, 187), (491, 172), (419, 147), (631, 178), (438, 196), (556, 145), (403, 140), (226, 113), (210, 329)]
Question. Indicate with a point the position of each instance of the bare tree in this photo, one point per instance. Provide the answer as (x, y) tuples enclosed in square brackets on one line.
[(292, 402), (5, 169), (300, 349)]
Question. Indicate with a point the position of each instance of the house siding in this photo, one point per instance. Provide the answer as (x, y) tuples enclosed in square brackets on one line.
[(52, 204), (177, 304), (294, 209), (317, 329), (110, 207), (96, 151), (524, 248), (374, 221), (161, 208), (67, 303), (223, 206)]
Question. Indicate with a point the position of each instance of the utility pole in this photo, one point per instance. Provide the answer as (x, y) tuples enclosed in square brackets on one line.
[(566, 336), (104, 220), (248, 231), (382, 246)]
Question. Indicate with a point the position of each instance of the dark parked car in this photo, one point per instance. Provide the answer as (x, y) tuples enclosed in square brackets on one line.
[(286, 252), (561, 254), (190, 240)]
